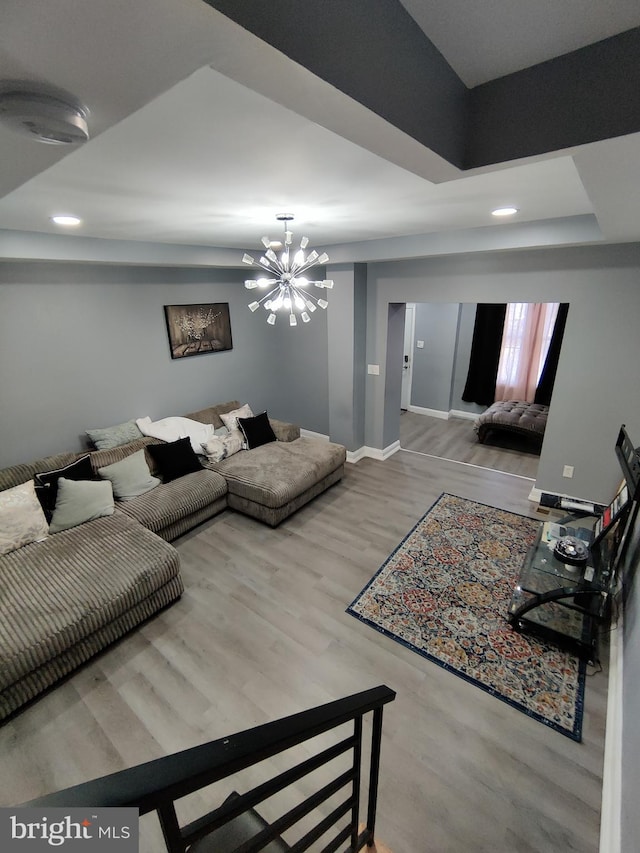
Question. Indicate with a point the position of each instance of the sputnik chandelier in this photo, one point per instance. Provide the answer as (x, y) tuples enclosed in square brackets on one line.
[(289, 286)]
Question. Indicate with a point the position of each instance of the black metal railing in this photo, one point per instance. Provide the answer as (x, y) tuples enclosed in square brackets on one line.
[(157, 785)]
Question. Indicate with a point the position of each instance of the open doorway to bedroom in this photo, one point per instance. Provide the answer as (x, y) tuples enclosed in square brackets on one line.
[(435, 420)]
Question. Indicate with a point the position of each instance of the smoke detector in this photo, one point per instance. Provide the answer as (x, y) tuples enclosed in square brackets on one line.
[(52, 116)]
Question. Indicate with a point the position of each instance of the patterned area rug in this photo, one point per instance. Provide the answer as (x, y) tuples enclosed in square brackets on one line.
[(445, 593)]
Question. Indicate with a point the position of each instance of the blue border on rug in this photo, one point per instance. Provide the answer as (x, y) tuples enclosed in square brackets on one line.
[(575, 734)]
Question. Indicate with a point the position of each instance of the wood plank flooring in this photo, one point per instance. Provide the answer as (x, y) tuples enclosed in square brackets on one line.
[(456, 439), (261, 632)]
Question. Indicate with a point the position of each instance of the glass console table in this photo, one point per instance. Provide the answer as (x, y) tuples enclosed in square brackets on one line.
[(562, 602)]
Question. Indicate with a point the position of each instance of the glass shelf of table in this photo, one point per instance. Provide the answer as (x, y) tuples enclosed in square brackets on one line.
[(558, 599)]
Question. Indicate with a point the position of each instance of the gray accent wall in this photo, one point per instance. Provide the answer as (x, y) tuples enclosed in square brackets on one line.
[(433, 366), (597, 380), (85, 345)]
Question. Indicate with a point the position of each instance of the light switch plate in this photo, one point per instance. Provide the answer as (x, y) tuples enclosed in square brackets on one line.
[(420, 344), (373, 369)]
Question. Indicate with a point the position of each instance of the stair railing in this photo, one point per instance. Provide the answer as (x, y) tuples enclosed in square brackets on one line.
[(156, 785)]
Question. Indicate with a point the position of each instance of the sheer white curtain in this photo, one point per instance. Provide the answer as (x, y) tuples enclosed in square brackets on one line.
[(528, 327)]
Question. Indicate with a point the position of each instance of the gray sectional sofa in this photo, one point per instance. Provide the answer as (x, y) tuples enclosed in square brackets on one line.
[(64, 599)]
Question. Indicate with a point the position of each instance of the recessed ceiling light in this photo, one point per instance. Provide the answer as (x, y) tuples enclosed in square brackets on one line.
[(65, 219), (504, 211)]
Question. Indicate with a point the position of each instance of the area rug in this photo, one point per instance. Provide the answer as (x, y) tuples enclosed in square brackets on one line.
[(445, 593)]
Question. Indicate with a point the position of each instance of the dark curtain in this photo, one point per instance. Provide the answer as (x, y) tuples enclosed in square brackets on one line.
[(485, 355), (548, 375)]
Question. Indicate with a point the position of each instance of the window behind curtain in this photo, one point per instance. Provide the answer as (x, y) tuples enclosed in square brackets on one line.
[(527, 332)]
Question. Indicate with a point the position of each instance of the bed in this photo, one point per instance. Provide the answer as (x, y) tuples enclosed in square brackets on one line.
[(516, 417)]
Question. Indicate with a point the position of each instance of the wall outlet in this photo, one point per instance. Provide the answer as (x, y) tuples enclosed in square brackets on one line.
[(567, 471), (420, 344), (373, 369)]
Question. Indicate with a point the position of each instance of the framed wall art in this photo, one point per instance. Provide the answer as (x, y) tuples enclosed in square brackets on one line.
[(198, 329)]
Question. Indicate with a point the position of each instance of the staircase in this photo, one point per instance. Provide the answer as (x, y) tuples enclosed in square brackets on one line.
[(236, 826)]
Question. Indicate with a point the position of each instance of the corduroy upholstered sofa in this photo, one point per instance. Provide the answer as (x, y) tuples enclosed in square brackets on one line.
[(64, 599)]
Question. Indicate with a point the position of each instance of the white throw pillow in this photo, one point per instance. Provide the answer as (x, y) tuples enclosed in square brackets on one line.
[(22, 519), (173, 428), (219, 448), (230, 419)]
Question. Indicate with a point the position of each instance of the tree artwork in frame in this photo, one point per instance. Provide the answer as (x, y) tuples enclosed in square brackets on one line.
[(198, 329)]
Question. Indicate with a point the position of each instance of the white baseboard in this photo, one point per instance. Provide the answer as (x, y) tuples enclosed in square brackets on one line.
[(308, 433), (373, 452), (611, 808), (437, 413), (433, 413), (459, 413)]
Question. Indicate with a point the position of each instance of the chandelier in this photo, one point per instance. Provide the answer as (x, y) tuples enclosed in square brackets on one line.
[(288, 286)]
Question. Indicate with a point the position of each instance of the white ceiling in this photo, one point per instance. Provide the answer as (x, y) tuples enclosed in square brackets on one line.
[(184, 153)]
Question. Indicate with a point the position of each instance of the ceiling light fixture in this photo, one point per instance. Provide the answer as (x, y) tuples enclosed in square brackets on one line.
[(504, 211), (289, 293), (44, 113), (66, 220)]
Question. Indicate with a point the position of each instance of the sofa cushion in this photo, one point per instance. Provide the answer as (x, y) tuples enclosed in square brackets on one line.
[(22, 519), (175, 459), (46, 482), (80, 501), (25, 471), (211, 415), (114, 436), (230, 419), (169, 503), (276, 473), (54, 599), (256, 431), (222, 446), (130, 477)]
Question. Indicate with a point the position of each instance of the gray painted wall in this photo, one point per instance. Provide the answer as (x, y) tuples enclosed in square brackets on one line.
[(433, 365), (597, 381), (86, 346)]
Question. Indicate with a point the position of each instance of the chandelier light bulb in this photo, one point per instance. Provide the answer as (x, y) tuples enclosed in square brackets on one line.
[(285, 285)]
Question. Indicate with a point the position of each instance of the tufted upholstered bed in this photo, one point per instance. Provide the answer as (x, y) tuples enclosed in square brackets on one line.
[(513, 416)]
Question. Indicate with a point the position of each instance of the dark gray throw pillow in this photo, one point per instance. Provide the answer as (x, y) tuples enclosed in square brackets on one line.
[(257, 430), (46, 483), (175, 459)]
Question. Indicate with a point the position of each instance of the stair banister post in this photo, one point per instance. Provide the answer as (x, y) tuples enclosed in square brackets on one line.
[(374, 770)]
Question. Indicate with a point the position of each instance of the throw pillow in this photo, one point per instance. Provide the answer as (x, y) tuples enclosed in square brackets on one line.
[(221, 447), (175, 459), (46, 483), (79, 501), (108, 437), (130, 477), (173, 428), (230, 419), (257, 431), (22, 520)]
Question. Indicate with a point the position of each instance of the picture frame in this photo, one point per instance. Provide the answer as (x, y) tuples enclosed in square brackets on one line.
[(198, 329)]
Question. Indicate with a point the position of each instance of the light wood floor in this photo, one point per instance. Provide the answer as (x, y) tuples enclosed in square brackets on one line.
[(262, 632), (456, 439)]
